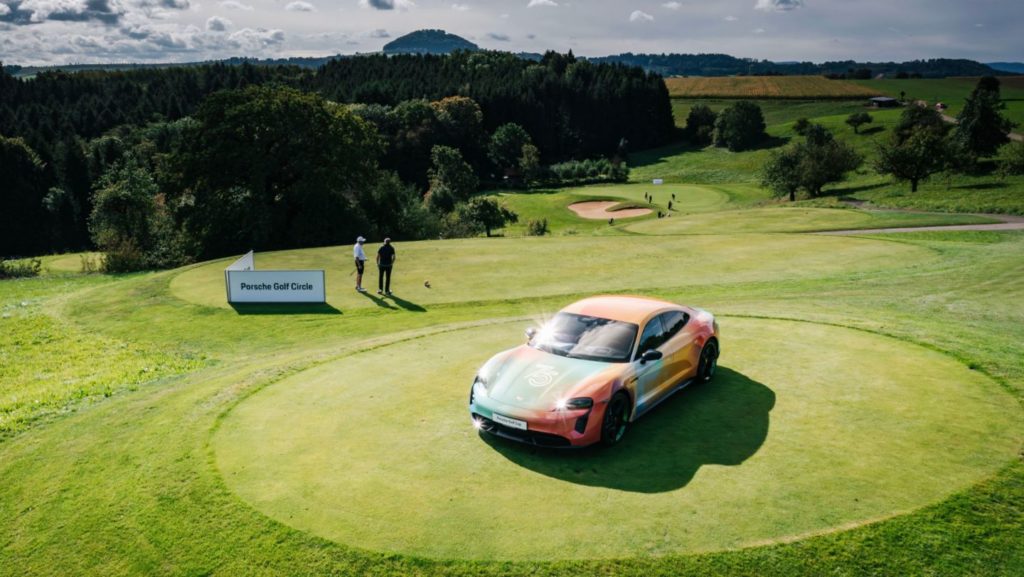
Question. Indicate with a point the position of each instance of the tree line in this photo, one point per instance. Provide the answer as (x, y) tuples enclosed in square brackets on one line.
[(163, 166)]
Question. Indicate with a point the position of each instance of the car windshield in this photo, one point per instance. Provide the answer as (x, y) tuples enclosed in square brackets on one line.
[(583, 337)]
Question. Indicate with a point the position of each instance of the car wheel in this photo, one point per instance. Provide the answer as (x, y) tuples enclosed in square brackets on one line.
[(616, 419), (708, 362)]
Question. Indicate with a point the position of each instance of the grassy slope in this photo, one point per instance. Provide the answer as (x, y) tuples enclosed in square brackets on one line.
[(952, 92), (49, 367)]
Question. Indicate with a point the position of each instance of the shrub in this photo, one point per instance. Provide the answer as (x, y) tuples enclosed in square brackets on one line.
[(537, 227), (1013, 162), (20, 268), (590, 171), (89, 263), (123, 255)]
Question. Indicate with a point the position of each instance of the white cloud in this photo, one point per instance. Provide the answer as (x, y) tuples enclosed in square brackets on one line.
[(672, 5), (778, 5), (731, 18), (235, 5), (299, 6), (758, 30), (379, 33), (460, 7), (536, 3), (256, 39), (217, 24), (640, 16), (4, 9), (387, 4)]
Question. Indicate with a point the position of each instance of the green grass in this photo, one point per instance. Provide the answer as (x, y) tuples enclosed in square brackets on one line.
[(49, 367), (499, 269)]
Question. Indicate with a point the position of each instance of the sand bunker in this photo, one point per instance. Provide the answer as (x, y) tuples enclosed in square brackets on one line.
[(599, 210)]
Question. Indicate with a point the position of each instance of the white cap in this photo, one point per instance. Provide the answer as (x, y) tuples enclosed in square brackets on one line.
[(360, 239)]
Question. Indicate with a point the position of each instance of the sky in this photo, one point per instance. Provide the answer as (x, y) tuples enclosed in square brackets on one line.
[(40, 32)]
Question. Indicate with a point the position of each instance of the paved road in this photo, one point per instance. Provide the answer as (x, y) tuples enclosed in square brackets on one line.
[(1009, 223)]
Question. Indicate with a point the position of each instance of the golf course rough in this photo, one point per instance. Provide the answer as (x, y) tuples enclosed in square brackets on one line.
[(807, 428)]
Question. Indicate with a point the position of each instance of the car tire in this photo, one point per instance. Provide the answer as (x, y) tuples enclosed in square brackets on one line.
[(616, 419), (708, 362)]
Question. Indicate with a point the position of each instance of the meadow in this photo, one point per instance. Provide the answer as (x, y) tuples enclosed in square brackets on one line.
[(867, 417), (951, 92)]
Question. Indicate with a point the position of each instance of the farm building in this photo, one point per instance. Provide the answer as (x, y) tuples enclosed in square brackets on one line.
[(884, 102)]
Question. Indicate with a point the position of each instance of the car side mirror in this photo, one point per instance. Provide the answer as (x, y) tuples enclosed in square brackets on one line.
[(651, 355), (530, 333)]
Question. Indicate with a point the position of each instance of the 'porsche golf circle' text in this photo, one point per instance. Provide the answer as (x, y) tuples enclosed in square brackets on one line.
[(277, 286)]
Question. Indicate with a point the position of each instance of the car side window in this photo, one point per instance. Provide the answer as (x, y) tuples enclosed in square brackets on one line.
[(652, 337), (673, 321)]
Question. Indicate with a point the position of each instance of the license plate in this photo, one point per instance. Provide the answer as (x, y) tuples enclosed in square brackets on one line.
[(509, 421)]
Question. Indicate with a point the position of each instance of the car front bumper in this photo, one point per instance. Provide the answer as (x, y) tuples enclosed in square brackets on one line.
[(568, 428)]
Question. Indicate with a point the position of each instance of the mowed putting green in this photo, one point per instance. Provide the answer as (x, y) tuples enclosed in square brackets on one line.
[(808, 428), (471, 270)]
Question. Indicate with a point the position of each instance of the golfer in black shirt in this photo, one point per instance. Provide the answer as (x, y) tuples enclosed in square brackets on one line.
[(385, 260)]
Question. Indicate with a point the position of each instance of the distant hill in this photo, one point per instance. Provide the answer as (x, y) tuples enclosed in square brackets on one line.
[(1015, 67), (428, 42)]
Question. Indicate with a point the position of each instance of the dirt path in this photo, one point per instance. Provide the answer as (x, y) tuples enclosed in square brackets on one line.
[(598, 210), (1012, 135), (1009, 223)]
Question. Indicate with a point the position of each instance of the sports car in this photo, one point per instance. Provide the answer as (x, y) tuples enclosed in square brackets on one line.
[(592, 369)]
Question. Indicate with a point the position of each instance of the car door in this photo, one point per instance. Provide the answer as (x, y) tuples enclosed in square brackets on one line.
[(678, 348), (649, 378)]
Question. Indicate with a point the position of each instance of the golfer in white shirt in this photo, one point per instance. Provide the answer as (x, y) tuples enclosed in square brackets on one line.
[(360, 256)]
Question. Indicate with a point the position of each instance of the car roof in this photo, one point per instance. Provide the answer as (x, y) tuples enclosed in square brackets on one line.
[(630, 309)]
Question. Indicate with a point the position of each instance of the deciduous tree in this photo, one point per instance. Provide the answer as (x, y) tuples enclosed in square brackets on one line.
[(740, 126), (858, 119), (923, 153)]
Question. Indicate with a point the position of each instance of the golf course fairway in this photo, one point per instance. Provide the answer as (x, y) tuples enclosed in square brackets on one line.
[(814, 427), (505, 269)]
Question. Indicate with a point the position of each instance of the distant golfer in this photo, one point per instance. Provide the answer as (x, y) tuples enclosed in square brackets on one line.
[(385, 261), (360, 256)]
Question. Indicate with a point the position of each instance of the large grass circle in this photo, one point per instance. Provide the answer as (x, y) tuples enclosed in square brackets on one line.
[(807, 428)]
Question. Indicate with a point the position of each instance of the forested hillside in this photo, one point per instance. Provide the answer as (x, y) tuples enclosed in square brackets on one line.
[(426, 132)]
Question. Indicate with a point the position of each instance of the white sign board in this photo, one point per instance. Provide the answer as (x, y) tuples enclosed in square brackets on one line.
[(658, 181), (245, 284)]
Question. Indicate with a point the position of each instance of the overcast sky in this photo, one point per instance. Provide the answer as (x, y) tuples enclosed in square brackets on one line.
[(89, 31)]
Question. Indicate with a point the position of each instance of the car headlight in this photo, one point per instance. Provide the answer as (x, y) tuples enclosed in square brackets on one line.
[(479, 388), (574, 404)]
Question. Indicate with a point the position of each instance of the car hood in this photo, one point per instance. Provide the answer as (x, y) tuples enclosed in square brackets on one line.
[(533, 379)]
